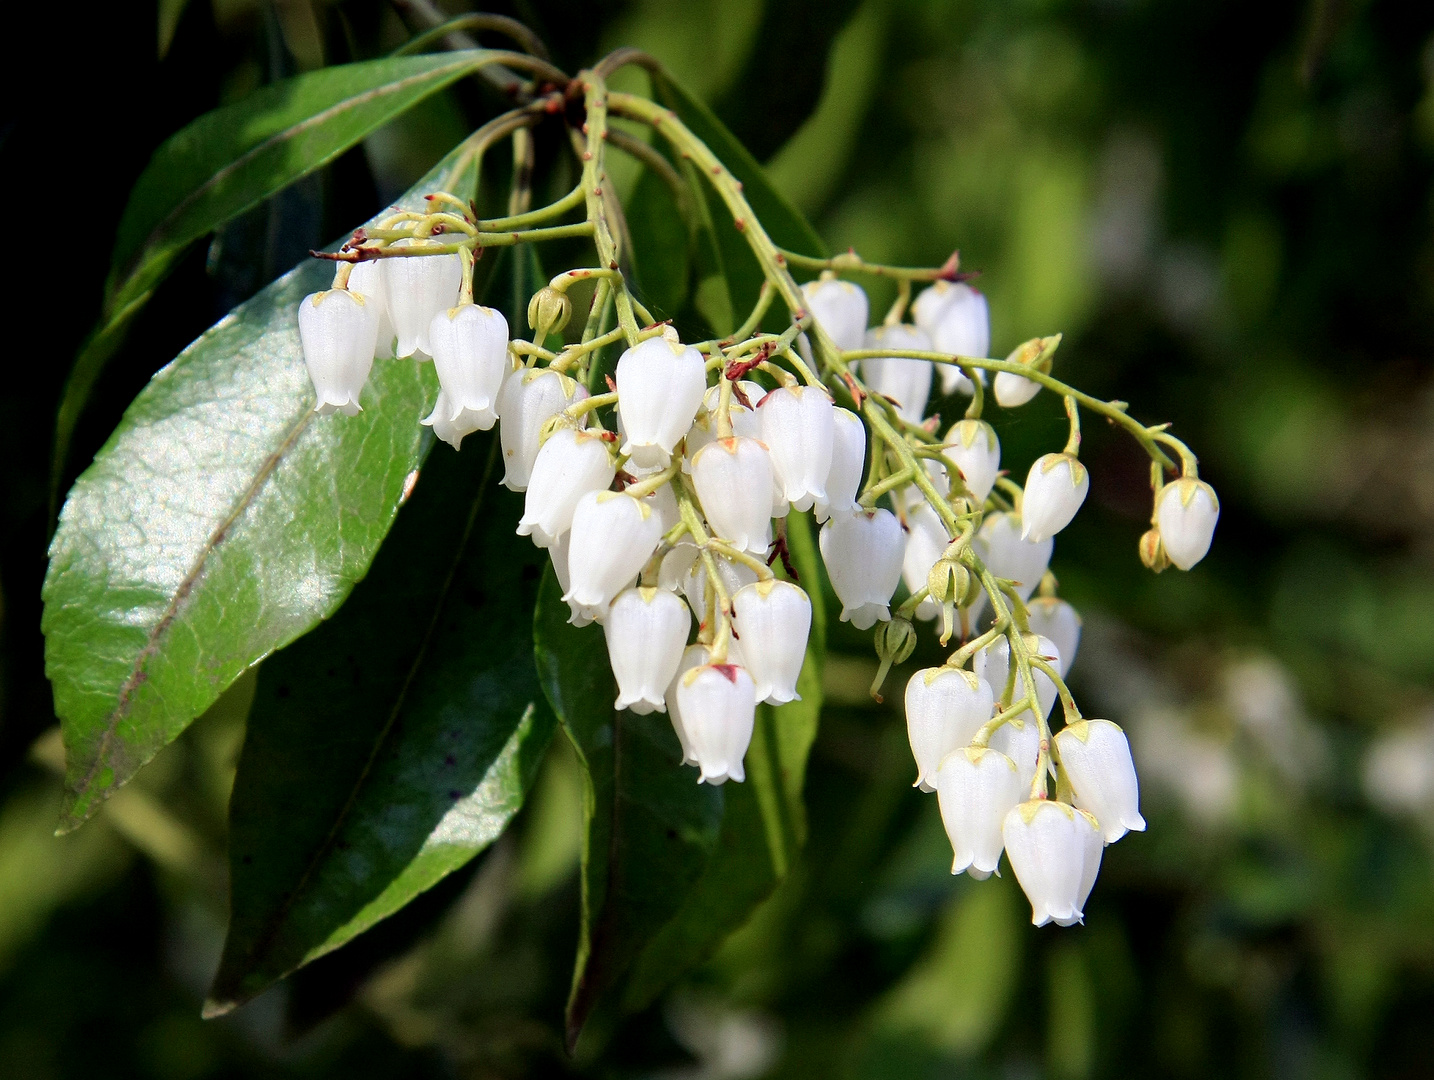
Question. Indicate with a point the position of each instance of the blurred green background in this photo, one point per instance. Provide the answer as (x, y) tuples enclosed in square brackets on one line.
[(1225, 206)]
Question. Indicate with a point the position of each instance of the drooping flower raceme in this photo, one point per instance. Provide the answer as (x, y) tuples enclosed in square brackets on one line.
[(1096, 757), (719, 704), (977, 788), (904, 380), (1055, 488), (1186, 513), (840, 308), (773, 619), (733, 478), (337, 330), (798, 427), (660, 383), (945, 707), (848, 460), (470, 355), (646, 631), (614, 535), (863, 554), (1055, 851), (568, 466), (418, 288), (973, 446), (958, 321), (529, 398)]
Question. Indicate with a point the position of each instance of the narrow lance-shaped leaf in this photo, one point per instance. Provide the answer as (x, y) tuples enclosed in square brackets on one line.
[(230, 160), (395, 742), (222, 519)]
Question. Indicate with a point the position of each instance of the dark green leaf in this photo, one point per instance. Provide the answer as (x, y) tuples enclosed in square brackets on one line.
[(660, 246), (230, 160), (221, 521), (394, 743)]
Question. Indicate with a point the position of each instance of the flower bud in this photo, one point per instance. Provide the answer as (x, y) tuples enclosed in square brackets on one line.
[(798, 426), (973, 446), (569, 465), (905, 381), (840, 308), (895, 642), (733, 478), (719, 704), (1096, 756), (336, 331), (366, 278), (418, 288), (470, 355), (772, 620), (926, 540), (646, 631), (1055, 488), (660, 383), (558, 553), (958, 321), (848, 461), (548, 312), (1152, 551), (530, 397), (863, 556), (446, 426), (1053, 618), (1012, 390), (1186, 512), (945, 707), (1007, 555), (1055, 851), (976, 788), (613, 537)]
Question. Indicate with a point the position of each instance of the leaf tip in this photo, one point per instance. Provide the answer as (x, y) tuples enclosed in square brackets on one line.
[(214, 1009)]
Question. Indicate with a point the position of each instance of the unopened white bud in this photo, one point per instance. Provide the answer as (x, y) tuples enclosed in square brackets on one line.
[(646, 631), (976, 788), (1055, 851), (336, 331), (470, 355), (798, 426), (1007, 555), (660, 385), (976, 451), (719, 704), (367, 278), (840, 308), (733, 478), (1055, 488), (926, 540), (1096, 756), (529, 398), (613, 537), (418, 287), (1051, 617), (958, 320), (848, 461), (863, 554), (945, 707), (905, 381), (1186, 513), (772, 620), (568, 466)]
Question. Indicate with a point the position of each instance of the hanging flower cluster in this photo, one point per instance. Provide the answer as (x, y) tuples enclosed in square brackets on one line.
[(663, 500)]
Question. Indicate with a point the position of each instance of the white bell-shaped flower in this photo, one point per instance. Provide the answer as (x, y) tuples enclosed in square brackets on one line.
[(772, 620), (1053, 618), (613, 537), (993, 663), (367, 278), (682, 570), (470, 355), (646, 632), (558, 553), (913, 496), (1020, 740), (1096, 757), (1007, 555), (1055, 488), (660, 383), (336, 331), (1050, 848), (798, 426), (848, 461), (958, 320), (841, 308), (719, 704), (733, 478), (664, 504), (568, 466), (1013, 390), (926, 540), (976, 788), (1186, 513), (694, 656), (863, 554), (529, 398), (418, 287), (905, 381), (973, 446), (945, 707), (446, 426), (746, 423)]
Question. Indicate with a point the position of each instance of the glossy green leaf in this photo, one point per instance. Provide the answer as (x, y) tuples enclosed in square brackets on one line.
[(230, 160), (660, 243), (221, 521), (394, 743), (669, 867)]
